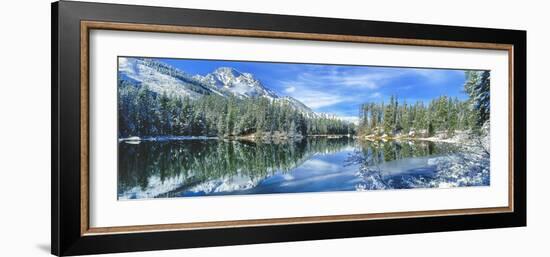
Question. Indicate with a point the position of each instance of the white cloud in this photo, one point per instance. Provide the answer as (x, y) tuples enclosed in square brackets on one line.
[(324, 86), (381, 77), (434, 75), (290, 89), (316, 99), (312, 94), (369, 81), (375, 95), (372, 80)]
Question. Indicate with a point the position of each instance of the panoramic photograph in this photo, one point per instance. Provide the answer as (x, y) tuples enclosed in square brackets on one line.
[(191, 127)]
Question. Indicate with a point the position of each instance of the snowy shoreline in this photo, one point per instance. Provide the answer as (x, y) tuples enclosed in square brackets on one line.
[(460, 137), (164, 138), (248, 137)]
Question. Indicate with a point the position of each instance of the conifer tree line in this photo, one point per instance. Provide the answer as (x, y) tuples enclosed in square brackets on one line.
[(442, 114), (143, 113)]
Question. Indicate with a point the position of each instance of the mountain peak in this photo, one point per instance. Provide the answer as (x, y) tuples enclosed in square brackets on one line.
[(225, 69), (227, 72), (233, 73), (163, 78), (224, 81), (228, 80)]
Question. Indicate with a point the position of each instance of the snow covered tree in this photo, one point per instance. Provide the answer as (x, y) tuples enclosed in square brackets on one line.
[(478, 88)]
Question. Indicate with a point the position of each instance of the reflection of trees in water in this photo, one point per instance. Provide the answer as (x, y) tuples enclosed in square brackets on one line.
[(369, 172), (394, 150), (468, 166), (202, 160), (373, 153), (454, 165)]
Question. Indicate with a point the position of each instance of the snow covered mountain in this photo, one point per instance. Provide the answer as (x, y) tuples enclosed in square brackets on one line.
[(230, 81), (160, 78), (224, 81), (297, 105)]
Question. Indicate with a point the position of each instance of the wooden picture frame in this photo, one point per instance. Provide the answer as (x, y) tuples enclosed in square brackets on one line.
[(71, 26)]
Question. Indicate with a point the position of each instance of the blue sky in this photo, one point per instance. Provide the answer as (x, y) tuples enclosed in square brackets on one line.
[(340, 89)]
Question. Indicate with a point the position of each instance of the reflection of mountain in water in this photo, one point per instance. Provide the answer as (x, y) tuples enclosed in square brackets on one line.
[(161, 169)]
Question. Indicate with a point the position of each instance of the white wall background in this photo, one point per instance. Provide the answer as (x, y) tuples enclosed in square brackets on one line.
[(25, 127)]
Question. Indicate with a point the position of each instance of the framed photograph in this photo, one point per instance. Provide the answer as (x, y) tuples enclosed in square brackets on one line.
[(178, 128)]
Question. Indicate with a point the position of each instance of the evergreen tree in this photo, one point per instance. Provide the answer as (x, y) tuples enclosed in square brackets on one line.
[(388, 117), (477, 86)]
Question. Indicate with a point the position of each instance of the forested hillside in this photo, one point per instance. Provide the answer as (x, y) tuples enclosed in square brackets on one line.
[(442, 114), (145, 113)]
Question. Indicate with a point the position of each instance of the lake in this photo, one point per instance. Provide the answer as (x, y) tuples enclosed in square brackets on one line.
[(204, 167)]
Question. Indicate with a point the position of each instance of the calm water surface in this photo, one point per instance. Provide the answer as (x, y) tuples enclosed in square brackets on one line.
[(182, 168)]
